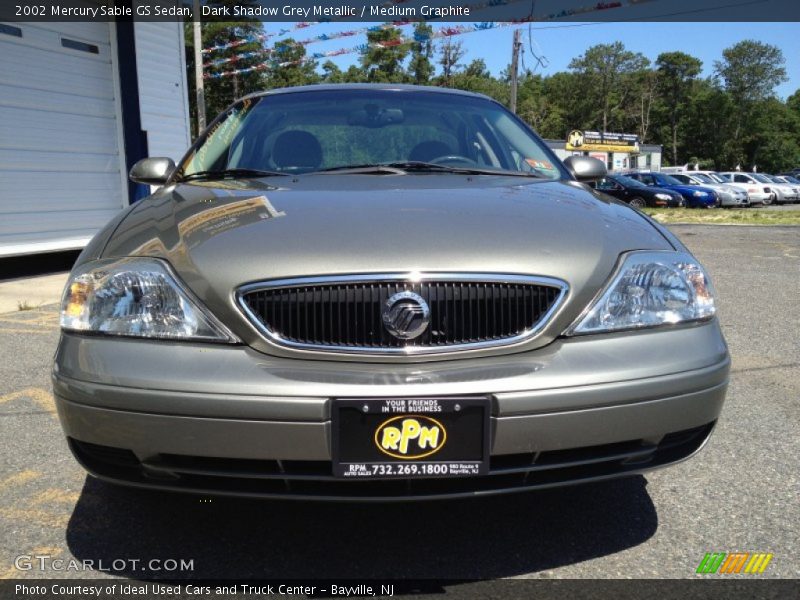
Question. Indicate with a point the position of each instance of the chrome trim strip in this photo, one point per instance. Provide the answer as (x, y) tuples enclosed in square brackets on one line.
[(412, 277)]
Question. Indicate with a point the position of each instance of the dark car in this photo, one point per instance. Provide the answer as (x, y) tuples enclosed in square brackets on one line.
[(638, 194), (695, 196), (382, 292)]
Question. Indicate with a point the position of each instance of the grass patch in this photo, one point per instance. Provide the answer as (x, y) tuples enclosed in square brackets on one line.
[(25, 306), (720, 216)]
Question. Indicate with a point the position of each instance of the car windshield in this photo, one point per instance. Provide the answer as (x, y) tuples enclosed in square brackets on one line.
[(628, 181), (669, 180), (791, 179), (760, 177), (717, 177), (330, 130), (702, 178)]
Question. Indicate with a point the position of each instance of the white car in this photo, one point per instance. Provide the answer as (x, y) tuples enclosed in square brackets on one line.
[(790, 179), (785, 192), (757, 192), (729, 195)]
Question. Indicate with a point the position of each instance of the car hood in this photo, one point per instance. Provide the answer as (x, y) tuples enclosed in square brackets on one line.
[(221, 235), (688, 189)]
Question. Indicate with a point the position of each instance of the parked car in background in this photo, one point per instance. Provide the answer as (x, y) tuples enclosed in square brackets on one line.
[(789, 179), (785, 192), (638, 194), (695, 196), (757, 192), (729, 196)]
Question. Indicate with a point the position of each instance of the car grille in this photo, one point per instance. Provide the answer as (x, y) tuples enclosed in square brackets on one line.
[(346, 315)]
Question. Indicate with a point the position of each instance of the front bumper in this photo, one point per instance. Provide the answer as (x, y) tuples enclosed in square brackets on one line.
[(730, 200), (221, 419), (758, 197)]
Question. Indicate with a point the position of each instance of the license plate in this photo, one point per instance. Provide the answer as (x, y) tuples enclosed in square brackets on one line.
[(410, 438)]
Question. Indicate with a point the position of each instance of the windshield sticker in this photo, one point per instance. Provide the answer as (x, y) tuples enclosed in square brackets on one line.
[(540, 164)]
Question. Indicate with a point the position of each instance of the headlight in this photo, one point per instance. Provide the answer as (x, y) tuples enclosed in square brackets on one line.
[(135, 297), (649, 289), (699, 194), (663, 196)]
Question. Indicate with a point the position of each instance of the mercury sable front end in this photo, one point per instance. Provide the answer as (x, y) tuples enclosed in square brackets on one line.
[(382, 292)]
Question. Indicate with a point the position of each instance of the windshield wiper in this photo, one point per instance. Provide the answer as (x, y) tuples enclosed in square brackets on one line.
[(366, 168), (413, 166), (230, 174)]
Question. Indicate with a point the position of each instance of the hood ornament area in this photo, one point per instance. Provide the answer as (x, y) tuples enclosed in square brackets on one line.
[(406, 315)]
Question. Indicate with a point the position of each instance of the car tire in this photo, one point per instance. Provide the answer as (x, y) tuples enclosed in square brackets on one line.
[(769, 199), (637, 202)]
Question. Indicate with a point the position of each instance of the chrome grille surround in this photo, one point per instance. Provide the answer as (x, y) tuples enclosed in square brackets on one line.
[(408, 281)]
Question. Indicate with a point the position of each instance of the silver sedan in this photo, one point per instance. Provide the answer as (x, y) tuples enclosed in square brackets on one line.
[(382, 292)]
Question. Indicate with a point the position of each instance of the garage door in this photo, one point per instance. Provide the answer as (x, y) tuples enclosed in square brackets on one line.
[(61, 173)]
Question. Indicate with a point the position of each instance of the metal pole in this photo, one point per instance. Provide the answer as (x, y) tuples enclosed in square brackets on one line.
[(198, 69), (515, 48)]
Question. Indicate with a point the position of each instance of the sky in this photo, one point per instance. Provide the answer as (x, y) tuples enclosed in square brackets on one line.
[(560, 42)]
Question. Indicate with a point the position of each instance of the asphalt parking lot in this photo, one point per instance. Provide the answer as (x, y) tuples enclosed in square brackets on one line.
[(740, 494)]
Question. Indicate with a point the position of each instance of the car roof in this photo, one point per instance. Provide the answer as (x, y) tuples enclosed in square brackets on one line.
[(327, 87)]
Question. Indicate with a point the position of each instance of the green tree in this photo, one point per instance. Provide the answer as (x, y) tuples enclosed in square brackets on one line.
[(420, 68), (677, 72), (750, 70), (220, 92), (450, 53), (775, 145), (606, 71), (707, 127), (476, 78), (793, 102), (644, 95), (288, 66), (385, 63)]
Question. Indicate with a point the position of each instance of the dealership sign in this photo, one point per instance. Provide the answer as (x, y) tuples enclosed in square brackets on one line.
[(604, 142)]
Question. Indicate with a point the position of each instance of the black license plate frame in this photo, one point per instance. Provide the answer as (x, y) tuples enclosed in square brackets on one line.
[(452, 437)]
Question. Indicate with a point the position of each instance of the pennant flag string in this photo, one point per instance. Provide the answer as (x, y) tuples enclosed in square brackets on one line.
[(443, 32), (359, 49), (297, 26)]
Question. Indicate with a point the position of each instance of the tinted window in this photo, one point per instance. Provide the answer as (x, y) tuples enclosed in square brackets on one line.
[(606, 184), (667, 180), (645, 178), (703, 178), (630, 182)]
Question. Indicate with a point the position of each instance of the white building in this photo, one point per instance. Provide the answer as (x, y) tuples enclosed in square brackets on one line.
[(79, 104), (647, 158)]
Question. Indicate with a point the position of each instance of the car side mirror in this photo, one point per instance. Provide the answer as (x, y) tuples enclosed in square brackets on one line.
[(586, 168), (152, 171)]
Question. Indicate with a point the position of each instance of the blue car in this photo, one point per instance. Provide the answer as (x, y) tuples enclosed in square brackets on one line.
[(696, 196)]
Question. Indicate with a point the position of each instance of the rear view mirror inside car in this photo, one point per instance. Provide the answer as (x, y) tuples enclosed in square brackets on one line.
[(373, 116)]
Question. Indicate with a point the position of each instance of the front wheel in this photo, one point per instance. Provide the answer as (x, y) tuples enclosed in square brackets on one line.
[(769, 199), (637, 202)]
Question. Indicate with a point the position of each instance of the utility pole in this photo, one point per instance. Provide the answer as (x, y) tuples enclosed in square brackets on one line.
[(515, 49), (200, 94)]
